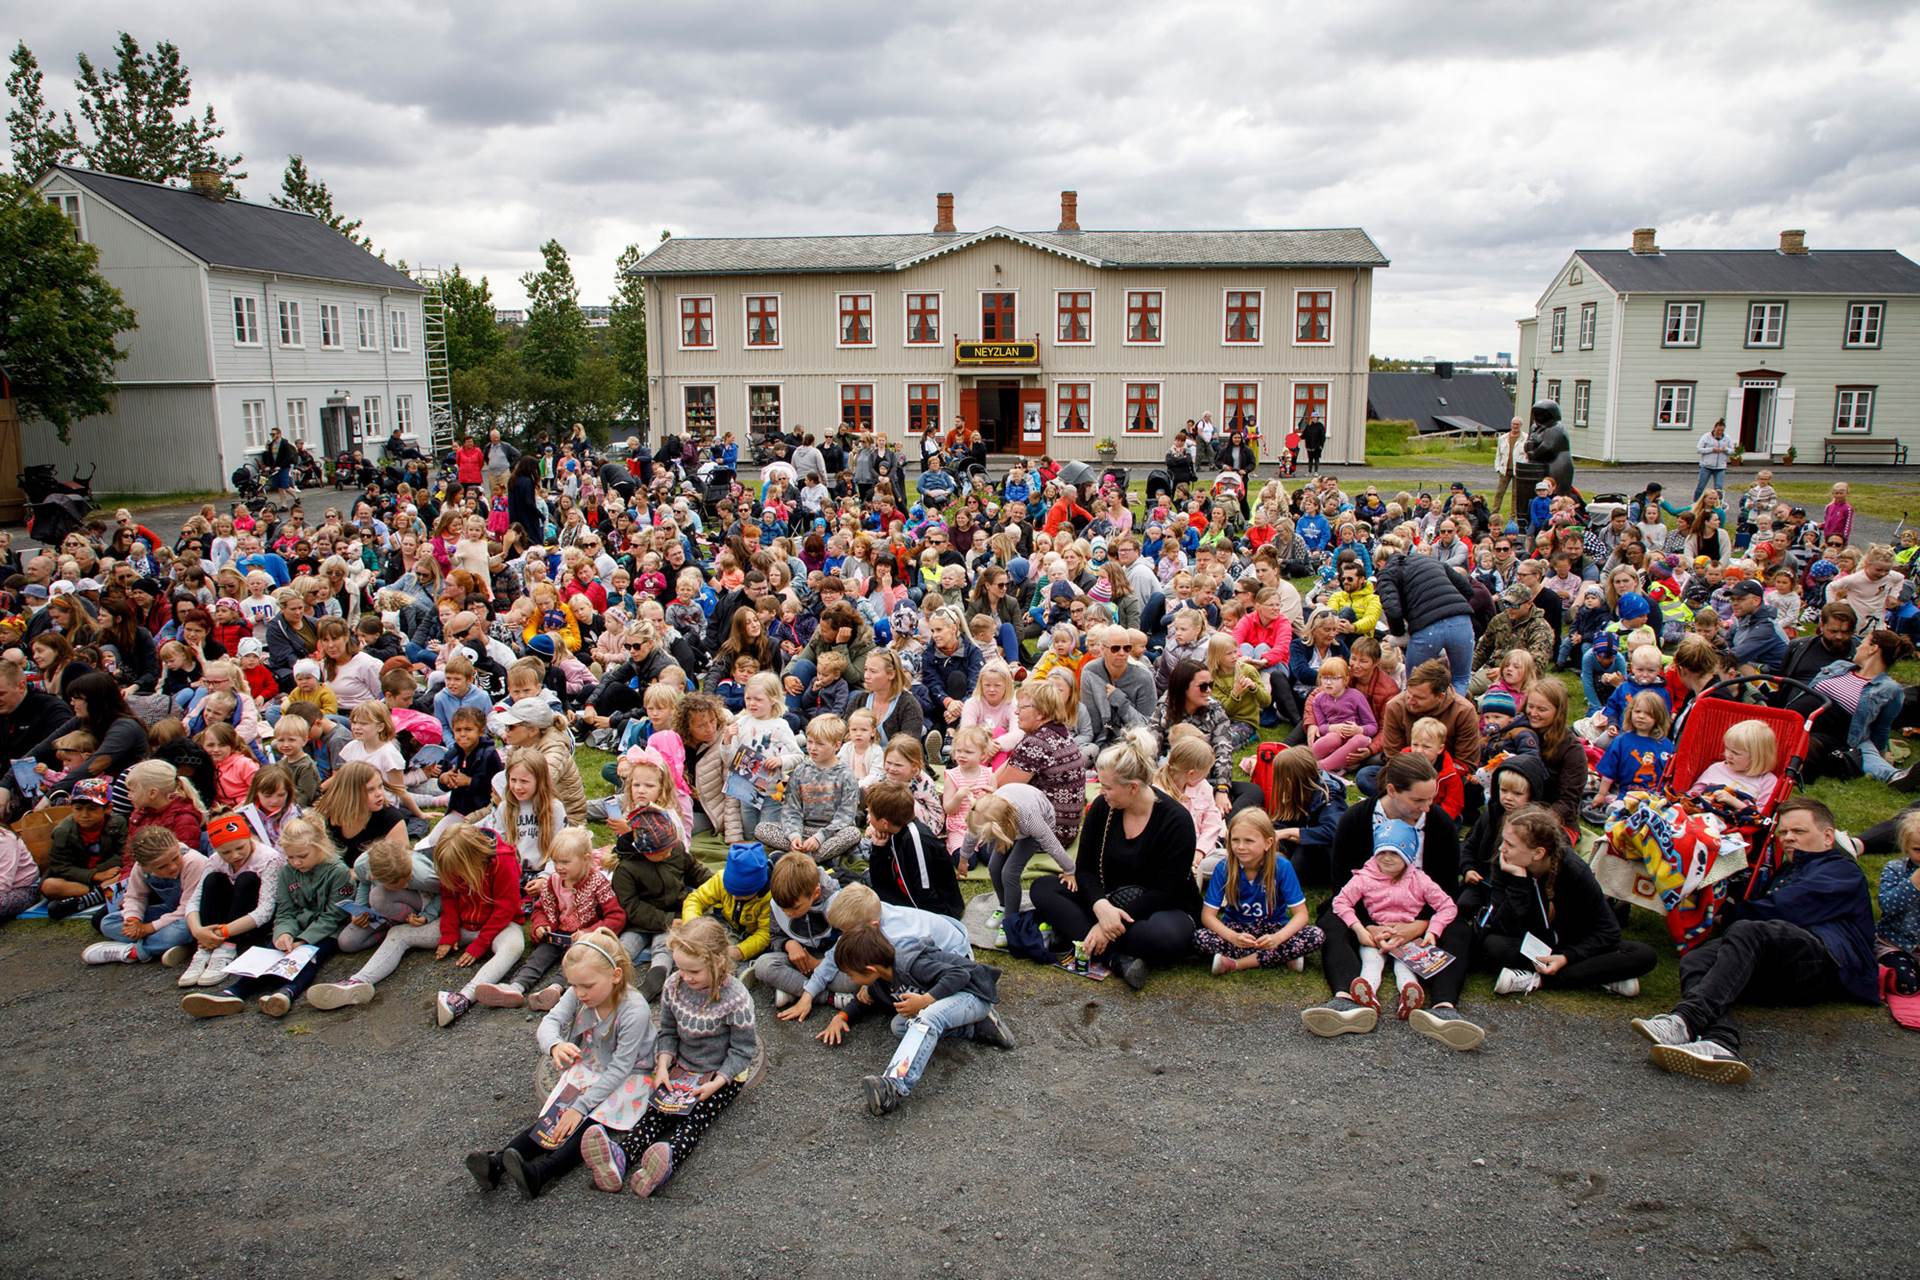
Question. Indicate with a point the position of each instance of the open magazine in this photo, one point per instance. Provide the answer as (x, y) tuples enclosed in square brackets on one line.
[(677, 1094), (1425, 961), (546, 1130), (265, 962)]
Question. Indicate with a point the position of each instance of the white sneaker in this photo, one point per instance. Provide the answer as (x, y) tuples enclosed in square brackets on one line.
[(110, 953), (1515, 982), (781, 999), (1222, 966), (216, 972), (174, 957), (1628, 987), (998, 918), (196, 966), (1298, 964)]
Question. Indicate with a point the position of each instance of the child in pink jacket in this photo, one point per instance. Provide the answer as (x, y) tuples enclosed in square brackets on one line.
[(1393, 891)]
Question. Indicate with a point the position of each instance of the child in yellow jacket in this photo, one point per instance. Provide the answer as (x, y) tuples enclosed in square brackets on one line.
[(739, 897)]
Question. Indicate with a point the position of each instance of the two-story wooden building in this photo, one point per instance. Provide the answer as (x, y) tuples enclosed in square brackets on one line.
[(1645, 348), (1045, 341), (250, 318)]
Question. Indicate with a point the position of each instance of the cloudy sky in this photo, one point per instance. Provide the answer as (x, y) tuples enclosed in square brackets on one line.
[(1477, 142)]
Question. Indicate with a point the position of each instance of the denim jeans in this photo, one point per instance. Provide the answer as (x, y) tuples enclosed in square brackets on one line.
[(803, 670), (1709, 479), (953, 1016), (1452, 637), (162, 896), (752, 815), (1873, 764)]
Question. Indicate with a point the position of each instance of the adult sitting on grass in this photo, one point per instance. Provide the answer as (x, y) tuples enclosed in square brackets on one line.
[(1429, 694), (1543, 889), (1047, 756), (1131, 898), (1807, 939), (1408, 786)]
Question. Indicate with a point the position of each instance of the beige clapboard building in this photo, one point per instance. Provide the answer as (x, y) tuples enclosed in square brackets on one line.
[(1045, 341)]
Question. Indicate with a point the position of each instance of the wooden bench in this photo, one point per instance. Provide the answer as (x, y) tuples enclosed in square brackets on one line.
[(1890, 452)]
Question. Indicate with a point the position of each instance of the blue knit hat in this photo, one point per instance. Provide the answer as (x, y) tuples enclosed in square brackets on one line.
[(1497, 702), (541, 646), (1634, 605), (1390, 835), (746, 873)]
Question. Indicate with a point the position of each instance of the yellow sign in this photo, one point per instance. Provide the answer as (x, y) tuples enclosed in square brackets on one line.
[(996, 353)]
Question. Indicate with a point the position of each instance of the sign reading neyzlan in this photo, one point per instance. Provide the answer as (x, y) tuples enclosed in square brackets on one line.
[(996, 353)]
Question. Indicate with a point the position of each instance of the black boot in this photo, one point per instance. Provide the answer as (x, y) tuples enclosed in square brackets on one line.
[(523, 1173), (485, 1168)]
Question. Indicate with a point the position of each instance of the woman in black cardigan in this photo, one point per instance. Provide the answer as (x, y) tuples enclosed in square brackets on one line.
[(1541, 887), (1131, 897)]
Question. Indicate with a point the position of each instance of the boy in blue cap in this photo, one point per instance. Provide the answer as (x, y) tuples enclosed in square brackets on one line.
[(739, 898)]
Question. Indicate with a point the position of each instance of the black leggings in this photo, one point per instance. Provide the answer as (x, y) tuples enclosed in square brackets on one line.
[(1285, 704), (1163, 937), (1628, 960), (545, 1165), (1341, 956), (681, 1133), (222, 901)]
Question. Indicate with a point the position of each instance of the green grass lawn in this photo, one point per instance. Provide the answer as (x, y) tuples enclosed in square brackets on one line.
[(1882, 501), (1398, 444)]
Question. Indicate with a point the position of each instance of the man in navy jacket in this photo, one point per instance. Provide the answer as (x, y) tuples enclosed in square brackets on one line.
[(1807, 939)]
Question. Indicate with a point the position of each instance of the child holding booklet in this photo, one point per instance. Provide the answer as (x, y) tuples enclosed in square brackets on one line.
[(234, 898), (1392, 891), (480, 888), (599, 1036), (306, 914), (703, 1056), (1245, 898), (577, 897)]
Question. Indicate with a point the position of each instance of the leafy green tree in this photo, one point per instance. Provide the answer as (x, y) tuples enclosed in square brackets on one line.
[(33, 130), (304, 193), (59, 320), (627, 336), (473, 336), (554, 341)]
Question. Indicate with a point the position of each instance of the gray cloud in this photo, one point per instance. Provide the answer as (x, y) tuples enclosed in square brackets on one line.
[(1479, 142)]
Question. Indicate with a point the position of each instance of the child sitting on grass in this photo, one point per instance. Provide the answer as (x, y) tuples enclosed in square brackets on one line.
[(820, 815), (311, 884), (861, 752), (600, 1036), (907, 863), (1244, 898), (858, 905), (290, 753), (1009, 827), (1187, 777), (1392, 891), (931, 993), (738, 899), (706, 1048), (573, 898), (1636, 760), (968, 780)]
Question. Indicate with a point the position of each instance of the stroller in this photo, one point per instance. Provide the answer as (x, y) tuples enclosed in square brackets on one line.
[(42, 480), (1691, 910), (53, 517), (715, 485), (246, 482)]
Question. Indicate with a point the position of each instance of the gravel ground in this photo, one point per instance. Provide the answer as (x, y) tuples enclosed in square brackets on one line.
[(1167, 1133)]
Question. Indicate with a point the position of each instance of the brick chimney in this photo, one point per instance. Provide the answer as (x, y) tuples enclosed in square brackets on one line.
[(1069, 211), (1794, 242), (1643, 240), (208, 183), (943, 213)]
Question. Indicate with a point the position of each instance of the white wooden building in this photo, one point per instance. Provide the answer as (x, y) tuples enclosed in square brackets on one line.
[(251, 318)]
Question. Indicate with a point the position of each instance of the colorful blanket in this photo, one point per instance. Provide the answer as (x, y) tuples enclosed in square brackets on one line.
[(1667, 857)]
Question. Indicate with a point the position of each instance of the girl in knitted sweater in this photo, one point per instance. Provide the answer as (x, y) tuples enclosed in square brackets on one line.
[(705, 1054), (820, 815)]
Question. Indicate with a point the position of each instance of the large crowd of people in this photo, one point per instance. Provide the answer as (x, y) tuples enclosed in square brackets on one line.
[(291, 742)]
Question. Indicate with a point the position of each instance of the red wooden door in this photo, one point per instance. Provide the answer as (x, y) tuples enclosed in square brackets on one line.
[(1033, 420), (970, 408)]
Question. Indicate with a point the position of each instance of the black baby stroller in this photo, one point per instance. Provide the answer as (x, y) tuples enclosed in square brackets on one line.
[(246, 482), (715, 486), (53, 517), (1160, 482)]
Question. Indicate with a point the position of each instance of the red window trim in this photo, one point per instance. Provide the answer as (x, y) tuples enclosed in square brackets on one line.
[(921, 407), (1063, 309), (692, 308), (1251, 305), (1157, 310), (1249, 401), (761, 308), (845, 311), (1307, 307), (1064, 405), (1134, 403), (1010, 314), (1303, 404), (862, 398)]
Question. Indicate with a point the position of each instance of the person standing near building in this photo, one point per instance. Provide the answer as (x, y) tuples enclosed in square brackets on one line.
[(500, 459), (1313, 434), (279, 458), (1715, 450), (1506, 453)]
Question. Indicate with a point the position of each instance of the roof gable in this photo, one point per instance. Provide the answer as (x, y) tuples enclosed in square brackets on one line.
[(239, 235), (1858, 272)]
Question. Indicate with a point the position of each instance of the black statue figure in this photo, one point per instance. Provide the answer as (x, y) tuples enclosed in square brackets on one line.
[(1547, 444)]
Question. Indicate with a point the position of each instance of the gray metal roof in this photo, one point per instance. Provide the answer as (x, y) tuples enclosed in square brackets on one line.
[(248, 237), (1855, 272), (1478, 398), (1338, 247)]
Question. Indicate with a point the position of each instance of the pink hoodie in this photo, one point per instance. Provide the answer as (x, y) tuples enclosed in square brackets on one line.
[(1391, 901), (666, 750)]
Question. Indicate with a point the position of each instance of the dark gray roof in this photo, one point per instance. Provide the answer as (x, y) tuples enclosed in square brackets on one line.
[(1479, 398), (1856, 272), (234, 233), (1339, 247)]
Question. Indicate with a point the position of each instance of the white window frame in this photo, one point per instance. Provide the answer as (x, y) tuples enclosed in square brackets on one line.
[(370, 423), (1259, 291), (286, 309), (366, 322), (329, 326), (1093, 323), (779, 324), (1679, 423), (1159, 400), (686, 423), (1847, 410), (746, 397), (297, 420), (398, 339), (980, 314), (1756, 312), (1878, 310), (1557, 330), (1582, 402), (1589, 324), (713, 327), (403, 414), (906, 319), (246, 320), (839, 394), (1126, 311), (1553, 390), (1333, 319), (906, 403), (71, 208), (253, 423), (873, 323), (1699, 316), (1259, 400), (1093, 394)]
